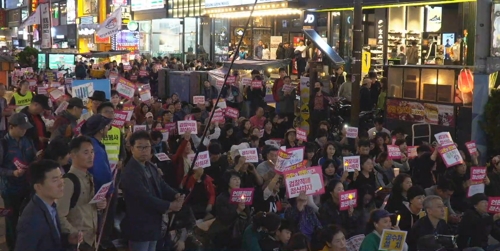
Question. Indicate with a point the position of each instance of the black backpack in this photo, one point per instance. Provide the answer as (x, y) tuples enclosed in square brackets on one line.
[(76, 189)]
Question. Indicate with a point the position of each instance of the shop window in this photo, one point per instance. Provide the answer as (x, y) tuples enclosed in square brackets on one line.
[(410, 83), (428, 83), (166, 37), (262, 21), (395, 80), (144, 35), (64, 13), (221, 39), (190, 34)]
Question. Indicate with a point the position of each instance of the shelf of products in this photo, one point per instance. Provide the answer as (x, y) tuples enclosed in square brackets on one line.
[(377, 51), (414, 36)]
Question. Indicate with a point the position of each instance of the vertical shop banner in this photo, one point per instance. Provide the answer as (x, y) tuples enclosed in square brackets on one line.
[(46, 27)]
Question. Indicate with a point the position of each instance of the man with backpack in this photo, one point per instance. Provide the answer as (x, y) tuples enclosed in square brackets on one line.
[(75, 212), (66, 123)]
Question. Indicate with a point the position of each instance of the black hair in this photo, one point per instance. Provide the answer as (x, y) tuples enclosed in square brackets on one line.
[(114, 92), (156, 135), (362, 191), (165, 112), (57, 148), (310, 147), (104, 105), (281, 69), (270, 221), (298, 241), (325, 147), (321, 133), (76, 143), (38, 170), (414, 191), (139, 135), (397, 189), (379, 121), (226, 177), (253, 137), (267, 149), (215, 148), (364, 143), (400, 142), (285, 225), (329, 232), (329, 189), (327, 163), (445, 185), (286, 77), (423, 149)]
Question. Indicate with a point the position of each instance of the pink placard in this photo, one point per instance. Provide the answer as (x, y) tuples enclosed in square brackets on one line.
[(125, 88), (231, 80), (494, 204), (471, 147), (242, 195), (189, 117), (301, 134), (308, 180), (394, 152), (256, 84), (232, 113), (120, 119), (78, 128), (352, 132), (348, 199), (477, 174), (20, 164), (444, 138), (412, 152), (198, 100)]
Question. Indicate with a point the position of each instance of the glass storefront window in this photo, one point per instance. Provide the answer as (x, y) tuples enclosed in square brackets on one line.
[(336, 24), (166, 37), (190, 31), (64, 13), (221, 37), (145, 35)]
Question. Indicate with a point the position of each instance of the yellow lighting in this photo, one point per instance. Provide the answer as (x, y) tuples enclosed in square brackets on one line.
[(399, 5), (258, 13)]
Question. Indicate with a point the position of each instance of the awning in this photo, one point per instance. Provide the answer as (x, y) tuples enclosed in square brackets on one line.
[(104, 54), (326, 49), (261, 65)]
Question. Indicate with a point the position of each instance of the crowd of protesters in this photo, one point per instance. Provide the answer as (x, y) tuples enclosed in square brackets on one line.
[(51, 172)]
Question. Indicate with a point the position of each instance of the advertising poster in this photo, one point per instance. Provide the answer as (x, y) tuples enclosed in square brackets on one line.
[(419, 112)]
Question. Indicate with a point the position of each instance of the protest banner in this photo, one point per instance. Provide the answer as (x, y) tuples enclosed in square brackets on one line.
[(494, 205), (450, 155), (250, 155), (471, 147), (392, 240), (352, 163), (242, 195), (162, 156), (301, 134), (139, 128), (198, 100), (444, 138), (119, 119), (125, 88), (477, 174), (232, 113), (184, 125), (348, 199), (291, 161), (308, 180), (203, 160), (101, 194), (412, 152), (352, 132)]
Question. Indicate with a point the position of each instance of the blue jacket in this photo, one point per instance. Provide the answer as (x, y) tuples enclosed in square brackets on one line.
[(146, 200), (24, 151), (101, 169), (36, 230)]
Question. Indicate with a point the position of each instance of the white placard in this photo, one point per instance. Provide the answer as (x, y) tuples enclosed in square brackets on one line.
[(203, 160), (162, 156), (139, 128), (198, 100), (250, 155), (352, 132), (101, 194), (444, 138), (352, 163), (184, 125)]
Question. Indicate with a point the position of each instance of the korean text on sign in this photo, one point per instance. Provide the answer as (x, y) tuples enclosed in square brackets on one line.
[(394, 152), (242, 195), (301, 134), (203, 160), (101, 194), (352, 132), (308, 180), (120, 119), (392, 240), (450, 154), (471, 147), (494, 204), (348, 199), (125, 88), (184, 125), (352, 163), (444, 138), (250, 155), (198, 100), (291, 160), (232, 113), (477, 174)]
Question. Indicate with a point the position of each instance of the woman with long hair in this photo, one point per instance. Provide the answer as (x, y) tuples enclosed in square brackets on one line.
[(402, 183)]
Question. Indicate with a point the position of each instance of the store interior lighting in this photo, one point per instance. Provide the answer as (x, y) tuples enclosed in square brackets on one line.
[(258, 13)]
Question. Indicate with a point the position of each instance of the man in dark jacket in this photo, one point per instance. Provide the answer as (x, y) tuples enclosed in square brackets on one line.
[(147, 197), (431, 224), (65, 124), (365, 103), (38, 133), (39, 228)]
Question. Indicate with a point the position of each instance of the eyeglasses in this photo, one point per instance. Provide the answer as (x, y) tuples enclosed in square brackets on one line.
[(143, 148)]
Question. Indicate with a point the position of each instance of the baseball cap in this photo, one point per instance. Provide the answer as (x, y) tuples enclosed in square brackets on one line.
[(42, 100), (379, 214), (76, 102), (21, 120), (149, 115)]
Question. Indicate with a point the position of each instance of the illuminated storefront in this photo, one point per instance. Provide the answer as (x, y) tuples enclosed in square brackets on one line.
[(17, 12), (273, 22), (63, 20)]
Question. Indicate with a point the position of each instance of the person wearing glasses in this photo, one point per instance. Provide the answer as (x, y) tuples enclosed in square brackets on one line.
[(147, 196)]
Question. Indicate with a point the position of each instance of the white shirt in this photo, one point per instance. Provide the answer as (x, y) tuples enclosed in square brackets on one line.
[(266, 54), (373, 131), (302, 49)]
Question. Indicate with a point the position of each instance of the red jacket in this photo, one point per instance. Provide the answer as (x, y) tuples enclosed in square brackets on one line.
[(278, 84), (209, 187), (178, 162)]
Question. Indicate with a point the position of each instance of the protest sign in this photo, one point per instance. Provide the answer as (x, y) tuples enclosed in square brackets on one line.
[(246, 81), (139, 128), (494, 204), (444, 138), (83, 91), (242, 195), (125, 88), (291, 161), (162, 156), (273, 142), (42, 90), (145, 95), (256, 84), (222, 103), (450, 154), (393, 152), (202, 161), (198, 100), (101, 194), (475, 189), (184, 125), (232, 113), (62, 107), (471, 147), (20, 164), (308, 180), (218, 116), (477, 174), (348, 199), (231, 80), (352, 163), (55, 94), (352, 132), (171, 128), (189, 117), (392, 240), (119, 119), (78, 127), (250, 155), (412, 152), (301, 134)]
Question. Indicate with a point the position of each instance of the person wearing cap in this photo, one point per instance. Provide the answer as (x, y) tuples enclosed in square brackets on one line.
[(22, 97), (97, 127), (97, 98), (149, 121), (432, 223), (379, 220), (66, 123), (18, 152), (477, 225), (38, 133)]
